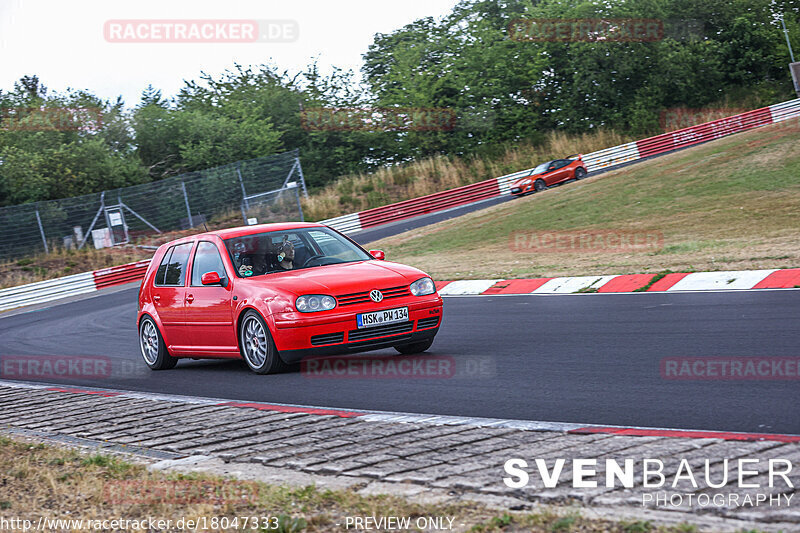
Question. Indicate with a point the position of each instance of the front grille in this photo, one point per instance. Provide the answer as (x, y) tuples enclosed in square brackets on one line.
[(328, 338), (379, 331), (363, 297), (428, 322), (516, 190)]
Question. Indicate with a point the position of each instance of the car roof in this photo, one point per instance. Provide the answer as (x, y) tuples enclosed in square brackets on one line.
[(243, 231)]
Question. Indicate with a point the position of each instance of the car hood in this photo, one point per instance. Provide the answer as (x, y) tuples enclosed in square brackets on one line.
[(341, 279), (519, 181)]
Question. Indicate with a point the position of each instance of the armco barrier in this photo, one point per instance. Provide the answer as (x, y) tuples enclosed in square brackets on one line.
[(704, 132), (54, 289), (45, 291), (430, 203), (118, 275), (595, 161)]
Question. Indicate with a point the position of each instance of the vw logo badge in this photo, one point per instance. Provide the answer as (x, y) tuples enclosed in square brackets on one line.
[(376, 295)]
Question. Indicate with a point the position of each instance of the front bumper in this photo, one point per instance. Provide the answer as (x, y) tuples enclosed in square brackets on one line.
[(337, 332), (295, 356)]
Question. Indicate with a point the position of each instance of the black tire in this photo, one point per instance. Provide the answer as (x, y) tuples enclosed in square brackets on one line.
[(257, 347), (539, 185), (580, 173), (417, 347), (152, 347)]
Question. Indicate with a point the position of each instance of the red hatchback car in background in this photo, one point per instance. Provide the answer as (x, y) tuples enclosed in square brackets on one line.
[(275, 293), (550, 173)]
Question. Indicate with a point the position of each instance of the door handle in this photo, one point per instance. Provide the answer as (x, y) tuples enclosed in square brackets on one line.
[(190, 298), (157, 298)]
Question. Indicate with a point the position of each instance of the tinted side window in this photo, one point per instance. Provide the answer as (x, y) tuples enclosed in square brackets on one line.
[(176, 270), (162, 268), (327, 243), (206, 259)]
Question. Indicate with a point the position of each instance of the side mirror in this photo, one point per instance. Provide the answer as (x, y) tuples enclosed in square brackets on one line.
[(211, 278), (378, 254)]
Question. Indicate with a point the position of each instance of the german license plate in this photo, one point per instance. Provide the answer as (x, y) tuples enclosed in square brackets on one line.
[(379, 318)]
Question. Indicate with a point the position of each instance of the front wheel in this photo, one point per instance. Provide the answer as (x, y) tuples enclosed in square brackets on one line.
[(417, 347), (257, 346), (154, 351), (539, 185)]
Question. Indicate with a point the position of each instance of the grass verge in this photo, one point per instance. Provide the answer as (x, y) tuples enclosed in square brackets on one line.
[(43, 481), (730, 204)]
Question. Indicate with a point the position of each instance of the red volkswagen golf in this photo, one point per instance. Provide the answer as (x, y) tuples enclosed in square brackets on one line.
[(275, 293)]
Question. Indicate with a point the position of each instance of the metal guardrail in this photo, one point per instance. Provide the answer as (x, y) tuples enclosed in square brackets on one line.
[(611, 157), (429, 204), (45, 291), (118, 275), (708, 131), (785, 110), (54, 289), (596, 161)]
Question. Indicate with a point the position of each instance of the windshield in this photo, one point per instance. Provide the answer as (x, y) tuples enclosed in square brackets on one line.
[(541, 169), (279, 251)]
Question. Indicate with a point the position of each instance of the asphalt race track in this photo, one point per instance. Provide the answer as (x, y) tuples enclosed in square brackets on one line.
[(591, 358), (364, 237)]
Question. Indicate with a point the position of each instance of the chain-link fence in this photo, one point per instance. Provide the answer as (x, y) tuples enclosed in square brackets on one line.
[(266, 189), (281, 204)]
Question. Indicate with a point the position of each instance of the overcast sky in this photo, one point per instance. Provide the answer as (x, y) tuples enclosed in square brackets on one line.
[(64, 44)]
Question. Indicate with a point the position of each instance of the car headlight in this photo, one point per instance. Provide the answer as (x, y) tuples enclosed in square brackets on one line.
[(312, 303), (525, 182), (423, 286)]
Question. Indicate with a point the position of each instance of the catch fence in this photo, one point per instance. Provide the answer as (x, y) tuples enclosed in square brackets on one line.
[(265, 189)]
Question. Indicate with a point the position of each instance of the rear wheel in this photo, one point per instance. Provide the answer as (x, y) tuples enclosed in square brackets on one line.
[(154, 351), (417, 347), (539, 185), (580, 173), (257, 346)]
